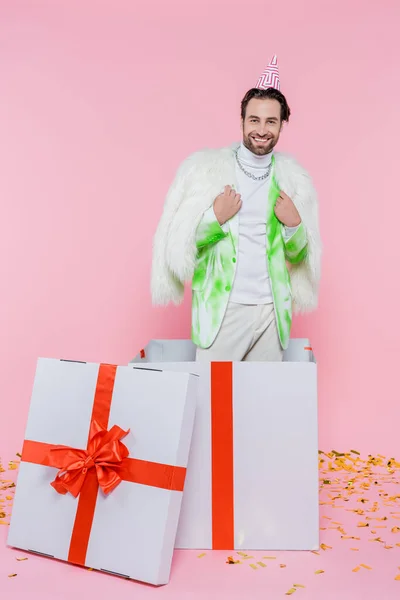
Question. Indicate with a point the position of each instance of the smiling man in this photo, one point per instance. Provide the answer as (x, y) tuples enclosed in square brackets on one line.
[(241, 223)]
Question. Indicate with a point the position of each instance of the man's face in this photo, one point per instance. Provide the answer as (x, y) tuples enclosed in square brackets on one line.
[(262, 125)]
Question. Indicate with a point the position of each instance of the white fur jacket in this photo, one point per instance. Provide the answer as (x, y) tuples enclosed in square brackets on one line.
[(199, 180)]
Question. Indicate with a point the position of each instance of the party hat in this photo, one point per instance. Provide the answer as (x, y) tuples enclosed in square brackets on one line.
[(270, 77)]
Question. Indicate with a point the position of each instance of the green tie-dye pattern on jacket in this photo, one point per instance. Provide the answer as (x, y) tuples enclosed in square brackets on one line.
[(215, 271)]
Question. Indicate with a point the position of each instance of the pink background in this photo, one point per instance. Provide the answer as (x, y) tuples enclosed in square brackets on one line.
[(100, 101)]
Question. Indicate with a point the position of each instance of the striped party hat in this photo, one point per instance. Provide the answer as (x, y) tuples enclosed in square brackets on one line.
[(270, 77)]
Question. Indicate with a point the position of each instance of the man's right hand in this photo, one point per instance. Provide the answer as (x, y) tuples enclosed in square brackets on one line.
[(227, 204)]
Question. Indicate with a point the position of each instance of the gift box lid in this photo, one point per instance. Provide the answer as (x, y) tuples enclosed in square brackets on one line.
[(127, 528)]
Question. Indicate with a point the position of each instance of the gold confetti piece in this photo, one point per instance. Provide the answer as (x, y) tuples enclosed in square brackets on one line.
[(388, 547), (13, 575), (298, 585), (315, 552), (395, 529), (398, 545), (319, 572), (242, 554), (22, 558), (8, 497), (290, 592), (397, 578), (282, 566), (261, 564), (355, 452), (361, 524), (2, 515), (201, 555), (356, 570), (253, 566), (327, 518), (366, 567), (90, 569), (270, 557), (19, 455), (325, 547)]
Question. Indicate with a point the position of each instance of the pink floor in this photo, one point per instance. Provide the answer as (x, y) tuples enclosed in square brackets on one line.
[(370, 487)]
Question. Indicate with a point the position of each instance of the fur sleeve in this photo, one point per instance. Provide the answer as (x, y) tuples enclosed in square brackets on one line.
[(304, 276), (165, 286)]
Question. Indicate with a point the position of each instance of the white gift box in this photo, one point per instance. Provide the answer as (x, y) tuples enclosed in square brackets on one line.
[(252, 479), (129, 531)]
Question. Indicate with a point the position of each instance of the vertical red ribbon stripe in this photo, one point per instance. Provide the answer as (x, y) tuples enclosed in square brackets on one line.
[(88, 496), (222, 456)]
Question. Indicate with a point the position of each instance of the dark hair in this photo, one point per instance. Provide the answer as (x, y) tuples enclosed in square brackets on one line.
[(268, 94)]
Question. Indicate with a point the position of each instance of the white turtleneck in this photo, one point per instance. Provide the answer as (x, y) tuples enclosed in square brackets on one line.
[(252, 283)]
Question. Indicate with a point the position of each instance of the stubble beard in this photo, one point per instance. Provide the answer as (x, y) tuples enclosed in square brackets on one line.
[(258, 151)]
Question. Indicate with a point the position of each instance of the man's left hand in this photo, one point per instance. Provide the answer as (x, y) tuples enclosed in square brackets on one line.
[(286, 211)]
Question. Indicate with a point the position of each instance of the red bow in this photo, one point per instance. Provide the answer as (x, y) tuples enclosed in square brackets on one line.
[(104, 453)]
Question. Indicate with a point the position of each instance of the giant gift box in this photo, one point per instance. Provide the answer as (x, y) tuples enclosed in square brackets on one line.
[(252, 480), (103, 467)]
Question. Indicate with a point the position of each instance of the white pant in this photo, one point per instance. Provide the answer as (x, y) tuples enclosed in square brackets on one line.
[(248, 332)]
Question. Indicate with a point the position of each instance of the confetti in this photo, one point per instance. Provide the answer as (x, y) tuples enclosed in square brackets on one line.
[(365, 567), (253, 566), (269, 557), (201, 555), (22, 558), (298, 585), (355, 549), (356, 569), (319, 572), (282, 566), (325, 547), (291, 591), (395, 529), (261, 564), (397, 578), (13, 575)]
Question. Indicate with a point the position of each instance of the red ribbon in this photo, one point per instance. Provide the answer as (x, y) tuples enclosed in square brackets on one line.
[(103, 464), (222, 495), (105, 453)]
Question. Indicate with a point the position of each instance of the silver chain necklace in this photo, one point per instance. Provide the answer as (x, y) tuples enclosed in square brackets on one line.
[(251, 174)]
